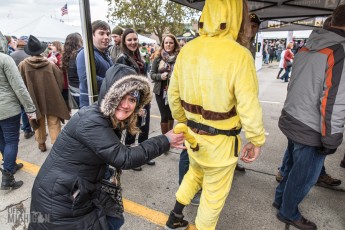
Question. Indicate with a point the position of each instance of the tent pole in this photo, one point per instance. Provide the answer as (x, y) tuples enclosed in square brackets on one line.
[(85, 17)]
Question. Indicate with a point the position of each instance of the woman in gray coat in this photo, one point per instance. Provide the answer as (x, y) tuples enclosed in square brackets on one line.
[(162, 68), (13, 93)]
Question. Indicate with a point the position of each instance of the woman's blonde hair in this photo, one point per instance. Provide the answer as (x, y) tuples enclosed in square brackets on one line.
[(289, 45)]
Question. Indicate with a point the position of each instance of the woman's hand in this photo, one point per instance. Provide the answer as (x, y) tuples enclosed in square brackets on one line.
[(176, 140), (164, 76)]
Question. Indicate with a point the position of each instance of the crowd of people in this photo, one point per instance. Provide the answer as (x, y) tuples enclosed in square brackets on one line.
[(79, 184)]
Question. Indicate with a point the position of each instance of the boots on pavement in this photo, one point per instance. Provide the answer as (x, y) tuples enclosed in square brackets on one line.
[(8, 181), (42, 147), (240, 168), (17, 167), (342, 163)]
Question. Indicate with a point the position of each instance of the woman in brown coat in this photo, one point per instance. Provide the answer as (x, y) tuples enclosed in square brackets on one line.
[(44, 81)]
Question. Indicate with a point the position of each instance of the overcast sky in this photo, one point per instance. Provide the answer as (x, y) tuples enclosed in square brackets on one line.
[(51, 8)]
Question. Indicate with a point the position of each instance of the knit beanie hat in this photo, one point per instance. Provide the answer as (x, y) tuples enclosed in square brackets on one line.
[(136, 95), (254, 18), (117, 30)]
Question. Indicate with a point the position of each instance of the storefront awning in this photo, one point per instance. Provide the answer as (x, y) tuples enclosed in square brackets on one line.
[(286, 14)]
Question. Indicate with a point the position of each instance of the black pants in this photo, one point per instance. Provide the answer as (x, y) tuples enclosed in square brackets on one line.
[(65, 96), (280, 71), (271, 58), (144, 134), (163, 109)]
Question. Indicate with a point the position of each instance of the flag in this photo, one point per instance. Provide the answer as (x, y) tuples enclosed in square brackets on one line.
[(64, 10)]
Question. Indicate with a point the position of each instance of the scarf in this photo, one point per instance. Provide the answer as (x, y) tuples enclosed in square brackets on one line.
[(167, 63), (136, 63), (140, 63)]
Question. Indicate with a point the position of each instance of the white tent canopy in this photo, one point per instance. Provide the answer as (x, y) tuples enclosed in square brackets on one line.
[(43, 27), (147, 40), (284, 34), (46, 29)]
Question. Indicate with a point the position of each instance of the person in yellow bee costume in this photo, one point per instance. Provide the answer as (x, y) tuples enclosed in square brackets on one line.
[(214, 90)]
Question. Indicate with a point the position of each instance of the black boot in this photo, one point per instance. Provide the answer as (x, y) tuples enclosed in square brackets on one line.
[(17, 167), (240, 168), (9, 182), (176, 222)]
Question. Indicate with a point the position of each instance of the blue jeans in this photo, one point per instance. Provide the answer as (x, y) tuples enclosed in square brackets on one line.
[(115, 223), (183, 165), (267, 58), (25, 121), (288, 153), (278, 54), (9, 139), (301, 170), (286, 74)]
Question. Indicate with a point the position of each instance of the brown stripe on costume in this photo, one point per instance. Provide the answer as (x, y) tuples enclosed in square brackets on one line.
[(206, 114)]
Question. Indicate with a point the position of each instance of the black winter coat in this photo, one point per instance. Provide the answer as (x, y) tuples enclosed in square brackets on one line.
[(78, 161), (126, 60)]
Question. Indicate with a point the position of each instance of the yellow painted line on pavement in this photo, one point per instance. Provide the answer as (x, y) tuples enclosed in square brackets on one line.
[(148, 214), (131, 207), (28, 167)]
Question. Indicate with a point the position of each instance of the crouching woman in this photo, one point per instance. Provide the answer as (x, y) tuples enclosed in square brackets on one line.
[(68, 190)]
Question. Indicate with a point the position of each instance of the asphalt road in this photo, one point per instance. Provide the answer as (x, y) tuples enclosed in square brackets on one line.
[(150, 194)]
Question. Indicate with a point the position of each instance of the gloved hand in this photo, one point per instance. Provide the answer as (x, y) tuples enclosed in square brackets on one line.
[(325, 151)]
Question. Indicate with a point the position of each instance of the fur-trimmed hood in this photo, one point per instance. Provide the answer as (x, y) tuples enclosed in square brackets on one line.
[(119, 81)]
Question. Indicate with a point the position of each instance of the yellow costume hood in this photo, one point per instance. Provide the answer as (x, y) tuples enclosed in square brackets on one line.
[(221, 18)]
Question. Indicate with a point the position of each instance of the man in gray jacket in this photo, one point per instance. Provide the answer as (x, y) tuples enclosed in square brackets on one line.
[(13, 93), (115, 50), (313, 116)]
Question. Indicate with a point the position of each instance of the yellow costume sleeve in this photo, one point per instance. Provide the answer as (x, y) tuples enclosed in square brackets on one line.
[(248, 106), (174, 94)]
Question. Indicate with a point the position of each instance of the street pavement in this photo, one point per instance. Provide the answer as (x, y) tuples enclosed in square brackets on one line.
[(150, 194)]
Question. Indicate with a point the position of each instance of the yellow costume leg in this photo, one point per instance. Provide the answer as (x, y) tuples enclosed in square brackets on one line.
[(216, 187), (190, 184)]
